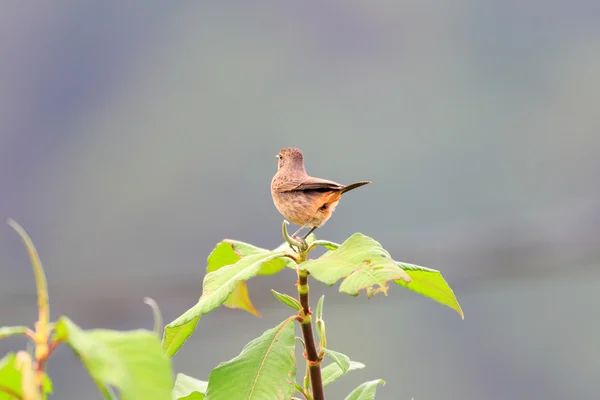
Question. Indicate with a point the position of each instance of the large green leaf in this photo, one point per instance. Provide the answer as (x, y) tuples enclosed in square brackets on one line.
[(189, 388), (218, 286), (366, 391), (430, 283), (224, 254), (265, 369), (132, 361), (362, 262), (333, 372), (241, 250), (11, 379)]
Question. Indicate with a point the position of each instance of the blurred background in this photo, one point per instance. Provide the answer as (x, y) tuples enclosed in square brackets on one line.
[(134, 138)]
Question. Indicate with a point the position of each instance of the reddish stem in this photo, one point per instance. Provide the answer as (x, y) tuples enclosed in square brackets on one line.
[(314, 363)]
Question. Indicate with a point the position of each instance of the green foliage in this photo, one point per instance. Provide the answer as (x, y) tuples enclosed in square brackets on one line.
[(363, 263), (137, 365), (265, 369), (430, 283), (11, 379), (333, 372), (366, 391), (133, 361), (287, 300), (217, 287), (319, 309), (366, 265), (189, 388), (342, 360), (321, 332)]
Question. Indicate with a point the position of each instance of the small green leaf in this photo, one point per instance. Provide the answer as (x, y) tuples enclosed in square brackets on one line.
[(342, 360), (11, 379), (430, 283), (7, 331), (327, 244), (189, 388), (265, 369), (287, 300), (333, 372), (132, 361), (319, 310), (320, 324), (217, 287), (363, 263), (366, 391)]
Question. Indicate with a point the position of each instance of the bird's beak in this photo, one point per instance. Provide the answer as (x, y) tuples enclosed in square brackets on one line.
[(277, 156)]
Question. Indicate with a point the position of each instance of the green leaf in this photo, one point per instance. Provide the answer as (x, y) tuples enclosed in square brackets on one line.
[(362, 262), (231, 251), (174, 336), (189, 388), (7, 331), (287, 300), (320, 324), (319, 309), (222, 255), (327, 244), (342, 360), (430, 283), (333, 372), (242, 250), (133, 361), (265, 369), (366, 391), (240, 299), (11, 379), (218, 286)]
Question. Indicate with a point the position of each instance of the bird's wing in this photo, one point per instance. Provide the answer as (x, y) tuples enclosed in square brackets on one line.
[(310, 183)]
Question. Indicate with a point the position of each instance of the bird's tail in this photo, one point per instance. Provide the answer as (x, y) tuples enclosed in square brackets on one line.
[(348, 188)]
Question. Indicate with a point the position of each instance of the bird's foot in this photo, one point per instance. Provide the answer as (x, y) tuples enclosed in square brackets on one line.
[(302, 241)]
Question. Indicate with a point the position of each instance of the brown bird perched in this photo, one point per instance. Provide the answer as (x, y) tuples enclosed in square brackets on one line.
[(302, 199)]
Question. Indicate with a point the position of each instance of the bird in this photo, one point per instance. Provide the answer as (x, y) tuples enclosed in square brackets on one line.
[(302, 199)]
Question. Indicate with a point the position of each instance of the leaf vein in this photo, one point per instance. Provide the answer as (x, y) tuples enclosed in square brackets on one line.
[(262, 363)]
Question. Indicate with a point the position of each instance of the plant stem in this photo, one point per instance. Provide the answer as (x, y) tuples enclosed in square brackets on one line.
[(40, 277), (41, 363), (314, 363), (42, 330)]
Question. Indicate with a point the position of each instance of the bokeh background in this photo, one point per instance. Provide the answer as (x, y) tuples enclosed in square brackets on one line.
[(135, 136)]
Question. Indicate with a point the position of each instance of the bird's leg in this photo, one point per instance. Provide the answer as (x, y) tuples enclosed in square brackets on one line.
[(309, 232), (299, 229), (294, 236)]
